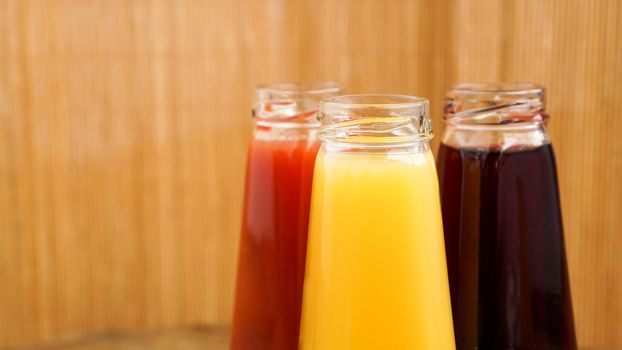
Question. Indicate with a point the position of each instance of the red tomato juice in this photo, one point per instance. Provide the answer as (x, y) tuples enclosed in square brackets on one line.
[(273, 244)]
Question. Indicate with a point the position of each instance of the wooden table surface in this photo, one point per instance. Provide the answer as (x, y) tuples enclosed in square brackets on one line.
[(195, 338), (204, 338)]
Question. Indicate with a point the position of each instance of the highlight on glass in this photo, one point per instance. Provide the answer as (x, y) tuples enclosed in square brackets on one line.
[(503, 225), (376, 274), (276, 212)]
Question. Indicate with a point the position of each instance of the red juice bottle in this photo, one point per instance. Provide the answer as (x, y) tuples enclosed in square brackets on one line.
[(277, 195), (503, 228)]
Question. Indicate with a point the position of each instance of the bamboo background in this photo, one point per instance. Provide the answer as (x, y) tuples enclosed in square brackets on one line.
[(124, 125)]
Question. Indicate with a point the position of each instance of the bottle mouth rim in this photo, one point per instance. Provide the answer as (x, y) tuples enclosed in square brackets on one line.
[(498, 104), (375, 120), (301, 88), (375, 101), (282, 103), (497, 88)]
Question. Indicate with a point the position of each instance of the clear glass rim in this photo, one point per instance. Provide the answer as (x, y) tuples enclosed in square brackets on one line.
[(375, 120), (498, 88), (376, 101), (503, 105), (292, 104), (293, 88)]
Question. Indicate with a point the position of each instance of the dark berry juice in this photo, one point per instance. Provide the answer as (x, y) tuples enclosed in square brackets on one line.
[(505, 249)]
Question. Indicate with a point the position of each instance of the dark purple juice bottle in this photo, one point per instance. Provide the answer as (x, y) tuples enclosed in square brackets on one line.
[(502, 220)]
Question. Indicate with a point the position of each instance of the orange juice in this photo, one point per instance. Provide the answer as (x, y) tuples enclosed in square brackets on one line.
[(376, 275)]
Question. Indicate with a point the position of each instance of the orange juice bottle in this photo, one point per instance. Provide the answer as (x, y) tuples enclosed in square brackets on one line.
[(376, 275)]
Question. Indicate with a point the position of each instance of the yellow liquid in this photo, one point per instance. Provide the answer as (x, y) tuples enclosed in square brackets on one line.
[(376, 274)]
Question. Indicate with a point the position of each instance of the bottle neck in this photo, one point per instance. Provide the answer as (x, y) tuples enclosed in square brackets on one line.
[(375, 124), (285, 132), (498, 137), (288, 110), (500, 116), (377, 149)]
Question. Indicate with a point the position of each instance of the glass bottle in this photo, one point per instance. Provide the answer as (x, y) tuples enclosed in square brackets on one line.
[(376, 274), (503, 226), (276, 213)]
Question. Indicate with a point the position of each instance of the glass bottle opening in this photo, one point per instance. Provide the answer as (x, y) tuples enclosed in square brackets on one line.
[(375, 120), (506, 105), (292, 104)]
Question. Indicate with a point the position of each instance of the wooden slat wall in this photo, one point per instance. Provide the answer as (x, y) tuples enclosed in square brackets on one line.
[(123, 128)]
